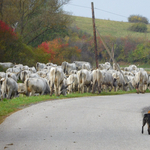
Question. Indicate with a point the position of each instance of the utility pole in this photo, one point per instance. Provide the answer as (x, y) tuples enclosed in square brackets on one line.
[(94, 33)]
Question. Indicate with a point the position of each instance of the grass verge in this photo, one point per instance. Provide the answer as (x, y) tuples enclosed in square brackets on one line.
[(7, 107)]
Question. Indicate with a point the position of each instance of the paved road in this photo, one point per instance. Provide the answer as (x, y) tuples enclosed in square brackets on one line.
[(91, 123)]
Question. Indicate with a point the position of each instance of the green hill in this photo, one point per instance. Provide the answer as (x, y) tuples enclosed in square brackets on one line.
[(108, 27)]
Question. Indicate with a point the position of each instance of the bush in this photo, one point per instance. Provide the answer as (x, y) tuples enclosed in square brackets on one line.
[(141, 53), (139, 27), (136, 19)]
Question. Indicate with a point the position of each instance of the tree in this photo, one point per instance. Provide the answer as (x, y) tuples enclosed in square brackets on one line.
[(59, 50), (7, 40), (137, 18), (11, 47), (33, 18)]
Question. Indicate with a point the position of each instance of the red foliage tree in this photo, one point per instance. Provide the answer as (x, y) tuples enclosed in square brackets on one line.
[(59, 51), (5, 30), (8, 39)]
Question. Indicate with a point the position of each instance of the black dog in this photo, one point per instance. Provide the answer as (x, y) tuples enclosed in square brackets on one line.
[(146, 119)]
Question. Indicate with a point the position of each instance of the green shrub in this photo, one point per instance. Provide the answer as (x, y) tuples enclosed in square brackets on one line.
[(139, 27), (137, 18), (141, 53)]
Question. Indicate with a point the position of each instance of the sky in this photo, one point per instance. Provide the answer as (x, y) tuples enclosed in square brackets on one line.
[(116, 10)]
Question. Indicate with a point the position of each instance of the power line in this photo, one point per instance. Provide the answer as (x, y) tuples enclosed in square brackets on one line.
[(80, 6), (99, 9), (111, 13)]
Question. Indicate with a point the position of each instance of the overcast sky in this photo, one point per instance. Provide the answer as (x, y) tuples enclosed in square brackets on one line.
[(117, 10)]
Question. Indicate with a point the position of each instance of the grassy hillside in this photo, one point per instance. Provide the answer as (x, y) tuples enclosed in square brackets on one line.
[(107, 27)]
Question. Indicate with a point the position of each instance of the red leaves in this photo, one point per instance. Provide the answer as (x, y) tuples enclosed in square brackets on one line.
[(53, 47), (45, 47), (4, 28), (59, 50)]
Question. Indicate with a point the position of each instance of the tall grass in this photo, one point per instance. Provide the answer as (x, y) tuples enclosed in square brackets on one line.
[(108, 27), (9, 106)]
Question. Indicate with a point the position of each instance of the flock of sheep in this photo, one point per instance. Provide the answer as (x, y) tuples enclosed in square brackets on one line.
[(70, 77)]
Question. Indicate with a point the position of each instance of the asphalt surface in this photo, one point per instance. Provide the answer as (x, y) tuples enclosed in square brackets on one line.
[(89, 123)]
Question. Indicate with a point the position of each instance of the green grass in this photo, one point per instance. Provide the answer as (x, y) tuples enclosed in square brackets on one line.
[(137, 64), (9, 106), (107, 27)]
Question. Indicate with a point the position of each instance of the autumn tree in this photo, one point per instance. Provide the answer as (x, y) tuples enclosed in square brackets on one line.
[(137, 19), (59, 50), (11, 47), (7, 38), (34, 18)]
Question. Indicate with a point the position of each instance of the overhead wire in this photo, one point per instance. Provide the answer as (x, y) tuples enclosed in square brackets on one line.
[(79, 6), (99, 9), (95, 8), (110, 12)]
